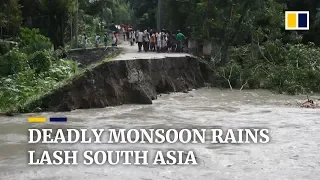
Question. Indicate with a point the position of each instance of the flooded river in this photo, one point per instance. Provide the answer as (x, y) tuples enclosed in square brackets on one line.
[(293, 152)]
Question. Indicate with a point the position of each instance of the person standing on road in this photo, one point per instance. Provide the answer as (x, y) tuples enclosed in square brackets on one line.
[(97, 40), (180, 38), (134, 37), (140, 39), (105, 39), (128, 32), (146, 41), (124, 34), (85, 41), (114, 39), (163, 40), (169, 41), (174, 42), (131, 37), (153, 41), (158, 36)]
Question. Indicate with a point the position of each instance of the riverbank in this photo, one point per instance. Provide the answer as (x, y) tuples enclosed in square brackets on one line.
[(19, 90), (130, 78)]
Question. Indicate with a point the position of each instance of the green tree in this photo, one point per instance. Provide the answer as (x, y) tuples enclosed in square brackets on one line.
[(121, 12), (10, 15), (59, 12), (144, 12)]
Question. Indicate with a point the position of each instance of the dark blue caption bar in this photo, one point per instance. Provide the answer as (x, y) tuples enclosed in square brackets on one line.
[(60, 119)]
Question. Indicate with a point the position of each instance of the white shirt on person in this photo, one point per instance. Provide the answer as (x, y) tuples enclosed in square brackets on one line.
[(164, 40), (97, 38), (158, 36), (140, 37)]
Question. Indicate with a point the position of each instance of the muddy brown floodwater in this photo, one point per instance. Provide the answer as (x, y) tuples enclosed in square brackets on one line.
[(292, 153)]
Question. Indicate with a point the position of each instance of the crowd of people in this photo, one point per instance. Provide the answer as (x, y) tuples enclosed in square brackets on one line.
[(156, 41), (97, 40), (147, 40)]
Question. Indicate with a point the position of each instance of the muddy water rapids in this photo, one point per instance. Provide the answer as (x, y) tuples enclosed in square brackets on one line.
[(293, 152)]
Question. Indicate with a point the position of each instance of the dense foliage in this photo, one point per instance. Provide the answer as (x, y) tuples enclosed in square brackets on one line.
[(10, 16), (32, 65), (63, 21), (31, 69), (284, 68)]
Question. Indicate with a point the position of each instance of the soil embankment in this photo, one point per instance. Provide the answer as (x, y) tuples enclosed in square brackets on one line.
[(86, 57), (122, 81)]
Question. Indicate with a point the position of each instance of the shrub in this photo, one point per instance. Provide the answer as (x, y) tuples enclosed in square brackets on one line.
[(294, 69), (60, 53), (28, 70), (17, 89), (61, 69), (32, 41), (12, 62), (6, 46), (40, 61)]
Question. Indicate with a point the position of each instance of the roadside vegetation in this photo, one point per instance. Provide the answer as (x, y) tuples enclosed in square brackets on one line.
[(283, 68), (35, 36), (31, 68), (29, 104), (250, 48)]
